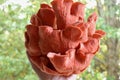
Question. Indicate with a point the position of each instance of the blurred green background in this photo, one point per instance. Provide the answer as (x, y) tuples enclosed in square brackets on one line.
[(15, 14)]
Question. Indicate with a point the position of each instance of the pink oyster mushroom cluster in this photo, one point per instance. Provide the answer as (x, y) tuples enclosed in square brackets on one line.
[(59, 41)]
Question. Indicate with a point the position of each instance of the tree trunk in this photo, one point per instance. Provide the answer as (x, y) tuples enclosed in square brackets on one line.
[(112, 58), (112, 55)]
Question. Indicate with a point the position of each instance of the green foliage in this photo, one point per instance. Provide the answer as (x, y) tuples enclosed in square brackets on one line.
[(111, 32), (92, 74), (14, 64)]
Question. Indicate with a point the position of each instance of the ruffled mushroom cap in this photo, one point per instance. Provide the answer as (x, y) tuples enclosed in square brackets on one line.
[(59, 41)]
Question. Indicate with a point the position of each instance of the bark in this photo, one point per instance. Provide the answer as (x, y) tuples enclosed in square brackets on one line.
[(112, 58), (112, 55)]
